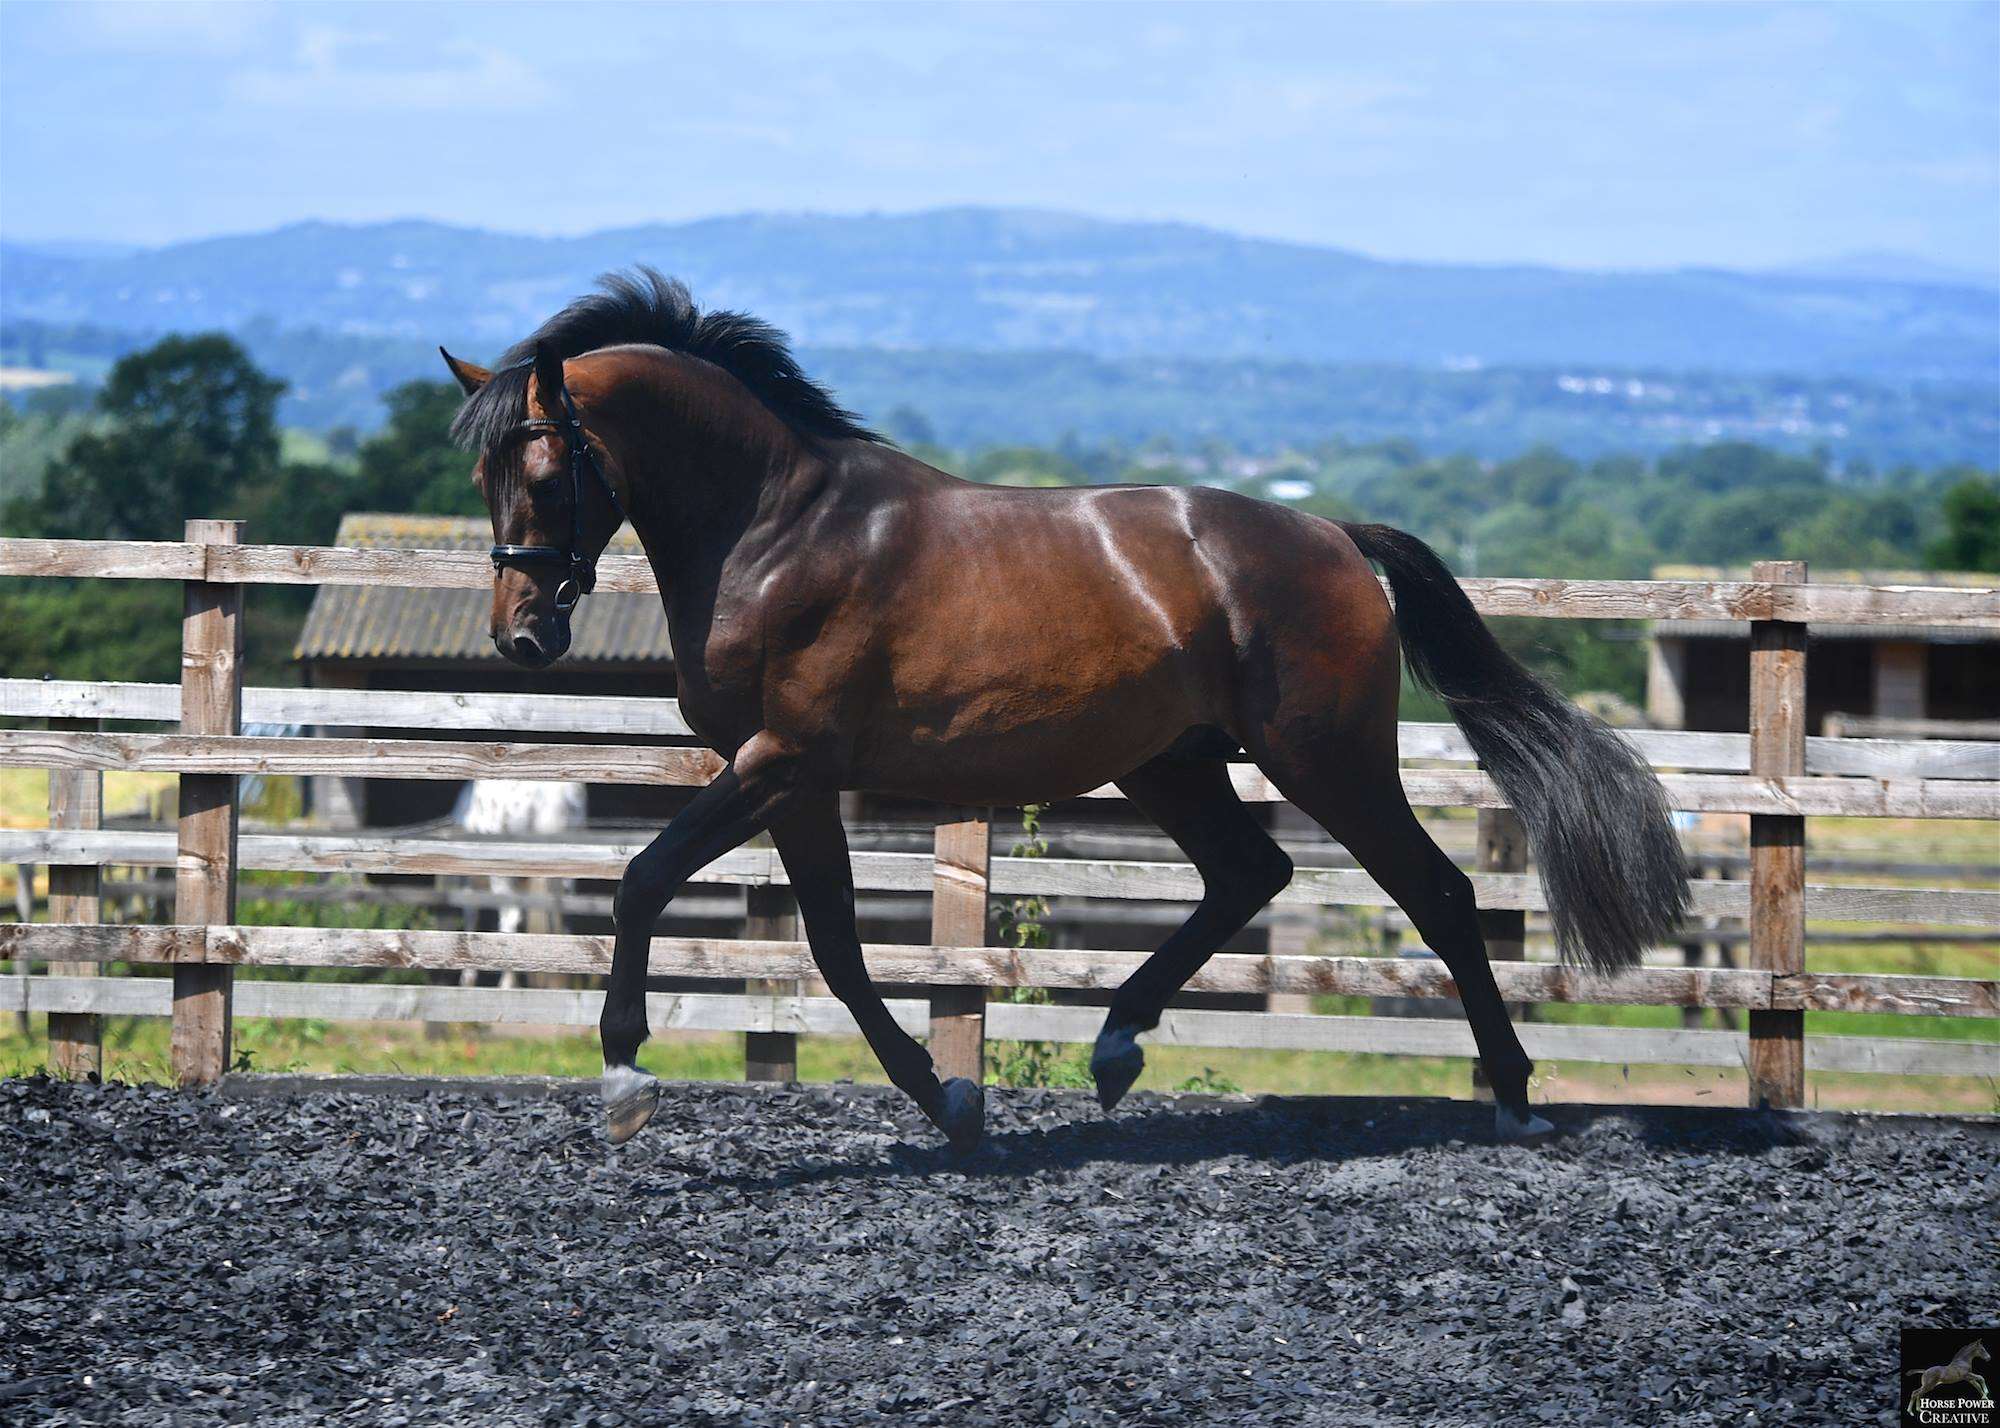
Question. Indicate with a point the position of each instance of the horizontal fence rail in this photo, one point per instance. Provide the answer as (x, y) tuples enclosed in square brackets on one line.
[(218, 564), (988, 966), (1779, 784), (912, 872), (440, 759), (661, 718)]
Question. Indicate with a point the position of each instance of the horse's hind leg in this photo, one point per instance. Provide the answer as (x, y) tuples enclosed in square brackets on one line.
[(1241, 869), (1356, 794)]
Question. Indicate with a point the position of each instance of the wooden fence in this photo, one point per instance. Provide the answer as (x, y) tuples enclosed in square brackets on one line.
[(1777, 774)]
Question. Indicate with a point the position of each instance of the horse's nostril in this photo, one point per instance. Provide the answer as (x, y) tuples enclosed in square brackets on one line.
[(528, 648)]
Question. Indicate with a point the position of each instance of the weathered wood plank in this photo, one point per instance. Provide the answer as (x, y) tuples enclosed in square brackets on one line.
[(1866, 726), (888, 962), (1912, 758), (1001, 967), (1777, 1064), (911, 872), (76, 803), (1792, 796), (1903, 1056), (104, 559), (375, 708), (206, 848), (962, 853), (823, 1016), (770, 914), (359, 758), (996, 966), (335, 1001), (1613, 1044), (1886, 992), (1963, 607)]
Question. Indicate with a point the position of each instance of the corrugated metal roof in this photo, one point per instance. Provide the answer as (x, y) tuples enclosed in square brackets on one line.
[(380, 622)]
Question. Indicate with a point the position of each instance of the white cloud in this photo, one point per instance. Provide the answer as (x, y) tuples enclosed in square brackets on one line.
[(204, 27), (345, 70)]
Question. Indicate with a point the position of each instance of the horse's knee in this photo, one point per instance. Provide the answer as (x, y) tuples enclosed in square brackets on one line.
[(1268, 873), (846, 983), (642, 891)]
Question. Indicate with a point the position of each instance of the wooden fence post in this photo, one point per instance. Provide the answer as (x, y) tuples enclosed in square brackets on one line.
[(1503, 848), (205, 866), (76, 801), (1777, 843), (771, 915), (959, 904)]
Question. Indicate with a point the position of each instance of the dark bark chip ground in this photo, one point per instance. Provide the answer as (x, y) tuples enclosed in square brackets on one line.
[(282, 1253)]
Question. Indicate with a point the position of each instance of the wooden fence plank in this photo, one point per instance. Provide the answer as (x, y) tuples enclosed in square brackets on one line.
[(999, 967), (960, 899), (1502, 848), (205, 863), (1777, 1047), (771, 914), (76, 803), (1789, 796), (825, 1016), (1964, 607), (430, 759), (1913, 758), (911, 872), (1613, 1044)]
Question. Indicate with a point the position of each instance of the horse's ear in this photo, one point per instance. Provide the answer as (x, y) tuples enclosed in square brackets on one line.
[(548, 377), (470, 378)]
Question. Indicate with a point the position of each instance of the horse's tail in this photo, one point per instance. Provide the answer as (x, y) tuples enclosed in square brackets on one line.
[(1595, 814)]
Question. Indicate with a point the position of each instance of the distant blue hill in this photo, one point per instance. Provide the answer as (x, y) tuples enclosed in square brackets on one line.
[(1005, 280)]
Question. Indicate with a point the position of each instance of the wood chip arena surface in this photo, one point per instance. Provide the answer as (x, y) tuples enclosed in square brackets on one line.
[(280, 1253)]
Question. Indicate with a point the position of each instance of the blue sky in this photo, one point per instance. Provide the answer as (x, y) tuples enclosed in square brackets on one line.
[(1594, 135)]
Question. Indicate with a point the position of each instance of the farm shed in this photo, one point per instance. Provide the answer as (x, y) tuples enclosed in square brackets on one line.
[(386, 637), (1698, 671)]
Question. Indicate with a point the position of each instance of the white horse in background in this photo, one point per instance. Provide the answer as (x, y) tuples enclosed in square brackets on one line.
[(511, 807)]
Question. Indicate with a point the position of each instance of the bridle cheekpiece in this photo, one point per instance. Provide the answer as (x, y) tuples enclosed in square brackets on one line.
[(582, 577)]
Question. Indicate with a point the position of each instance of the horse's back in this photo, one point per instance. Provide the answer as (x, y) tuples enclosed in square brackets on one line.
[(1053, 639)]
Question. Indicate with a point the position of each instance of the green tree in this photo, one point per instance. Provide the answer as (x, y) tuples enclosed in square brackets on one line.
[(191, 425), (1971, 539), (412, 463)]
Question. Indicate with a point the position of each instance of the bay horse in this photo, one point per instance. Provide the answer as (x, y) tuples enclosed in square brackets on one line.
[(844, 616)]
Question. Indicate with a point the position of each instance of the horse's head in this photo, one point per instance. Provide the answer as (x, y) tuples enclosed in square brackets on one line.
[(1977, 1351), (547, 483)]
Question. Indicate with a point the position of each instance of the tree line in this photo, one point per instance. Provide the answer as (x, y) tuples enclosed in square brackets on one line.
[(189, 427)]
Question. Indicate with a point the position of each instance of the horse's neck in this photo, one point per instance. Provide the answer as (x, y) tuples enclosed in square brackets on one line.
[(712, 460)]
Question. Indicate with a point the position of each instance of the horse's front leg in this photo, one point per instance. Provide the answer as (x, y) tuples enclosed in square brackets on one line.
[(723, 816), (813, 845)]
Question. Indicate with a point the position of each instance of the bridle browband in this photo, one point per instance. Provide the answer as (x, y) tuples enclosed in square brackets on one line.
[(582, 577)]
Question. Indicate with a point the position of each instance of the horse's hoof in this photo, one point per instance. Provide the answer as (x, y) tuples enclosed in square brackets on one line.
[(1508, 1126), (1115, 1064), (962, 1113), (630, 1098)]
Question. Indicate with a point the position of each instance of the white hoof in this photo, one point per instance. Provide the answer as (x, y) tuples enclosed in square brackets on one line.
[(630, 1097), (1508, 1126)]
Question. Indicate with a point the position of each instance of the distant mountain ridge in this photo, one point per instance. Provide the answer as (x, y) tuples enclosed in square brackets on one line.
[(1010, 280)]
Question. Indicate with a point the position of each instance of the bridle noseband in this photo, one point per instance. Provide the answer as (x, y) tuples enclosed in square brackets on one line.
[(582, 577)]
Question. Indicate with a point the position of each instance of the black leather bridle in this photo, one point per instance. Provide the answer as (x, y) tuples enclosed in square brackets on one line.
[(582, 577)]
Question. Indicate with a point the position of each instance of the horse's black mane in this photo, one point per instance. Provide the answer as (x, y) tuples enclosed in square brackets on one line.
[(642, 306)]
